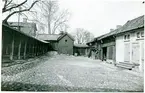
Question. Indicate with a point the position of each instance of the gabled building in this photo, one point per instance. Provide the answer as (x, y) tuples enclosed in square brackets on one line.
[(105, 47), (130, 44), (26, 27), (123, 46), (62, 43)]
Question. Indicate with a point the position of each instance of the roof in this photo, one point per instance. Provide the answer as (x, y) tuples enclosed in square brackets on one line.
[(52, 37), (81, 45), (24, 24), (49, 37), (96, 38), (13, 29), (65, 35), (132, 24)]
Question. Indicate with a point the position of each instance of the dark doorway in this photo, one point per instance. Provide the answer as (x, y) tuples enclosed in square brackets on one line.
[(104, 54)]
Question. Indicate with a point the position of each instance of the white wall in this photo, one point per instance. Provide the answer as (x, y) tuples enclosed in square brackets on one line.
[(133, 39), (119, 49)]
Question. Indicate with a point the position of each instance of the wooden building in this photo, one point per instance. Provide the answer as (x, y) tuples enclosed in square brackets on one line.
[(124, 46), (107, 45), (62, 43), (19, 45), (81, 49), (26, 27), (130, 44)]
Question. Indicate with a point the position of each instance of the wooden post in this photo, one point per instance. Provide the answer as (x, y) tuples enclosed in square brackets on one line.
[(12, 49), (19, 50), (33, 50), (7, 47), (40, 49), (30, 50), (25, 49), (36, 49), (43, 49)]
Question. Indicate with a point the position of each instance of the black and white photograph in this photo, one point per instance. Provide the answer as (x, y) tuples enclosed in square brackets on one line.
[(72, 45)]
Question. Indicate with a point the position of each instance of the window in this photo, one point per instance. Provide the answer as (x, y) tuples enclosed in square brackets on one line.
[(142, 34), (65, 40), (126, 37), (138, 35)]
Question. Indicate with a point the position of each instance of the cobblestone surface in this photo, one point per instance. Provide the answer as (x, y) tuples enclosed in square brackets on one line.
[(69, 73)]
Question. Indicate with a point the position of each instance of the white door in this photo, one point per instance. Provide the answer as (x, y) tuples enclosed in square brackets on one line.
[(127, 52), (135, 53)]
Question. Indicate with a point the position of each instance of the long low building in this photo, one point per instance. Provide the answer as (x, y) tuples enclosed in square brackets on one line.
[(19, 45)]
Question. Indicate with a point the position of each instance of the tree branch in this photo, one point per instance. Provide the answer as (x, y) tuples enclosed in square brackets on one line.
[(9, 2), (5, 4), (5, 10), (5, 20)]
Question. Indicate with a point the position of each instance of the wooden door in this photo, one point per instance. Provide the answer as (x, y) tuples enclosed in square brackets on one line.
[(127, 52), (135, 53)]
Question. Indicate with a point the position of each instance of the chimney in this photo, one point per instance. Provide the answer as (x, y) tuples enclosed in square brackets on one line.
[(111, 30), (118, 26), (62, 32), (25, 20)]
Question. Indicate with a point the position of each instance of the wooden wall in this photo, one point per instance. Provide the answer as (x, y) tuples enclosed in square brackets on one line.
[(16, 45)]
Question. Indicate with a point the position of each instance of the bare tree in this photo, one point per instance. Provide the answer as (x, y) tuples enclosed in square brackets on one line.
[(13, 7), (82, 36), (55, 19)]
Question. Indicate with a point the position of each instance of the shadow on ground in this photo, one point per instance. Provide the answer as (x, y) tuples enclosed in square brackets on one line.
[(16, 86)]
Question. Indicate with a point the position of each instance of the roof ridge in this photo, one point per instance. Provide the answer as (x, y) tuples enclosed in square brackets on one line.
[(48, 34)]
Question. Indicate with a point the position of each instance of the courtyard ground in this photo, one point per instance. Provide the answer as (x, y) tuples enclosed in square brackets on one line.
[(52, 72)]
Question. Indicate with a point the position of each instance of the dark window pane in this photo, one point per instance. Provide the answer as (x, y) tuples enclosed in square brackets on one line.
[(128, 37), (65, 40), (138, 35), (125, 37), (142, 34)]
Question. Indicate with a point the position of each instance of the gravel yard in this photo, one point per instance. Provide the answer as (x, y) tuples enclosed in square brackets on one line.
[(69, 73)]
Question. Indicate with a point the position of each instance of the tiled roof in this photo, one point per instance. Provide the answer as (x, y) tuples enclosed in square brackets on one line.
[(49, 37), (24, 24), (53, 37), (67, 35), (23, 33), (132, 24), (81, 45)]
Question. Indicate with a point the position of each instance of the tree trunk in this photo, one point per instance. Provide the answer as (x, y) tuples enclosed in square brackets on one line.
[(49, 27)]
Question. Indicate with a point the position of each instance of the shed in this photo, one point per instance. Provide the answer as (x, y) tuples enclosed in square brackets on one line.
[(81, 49), (62, 43)]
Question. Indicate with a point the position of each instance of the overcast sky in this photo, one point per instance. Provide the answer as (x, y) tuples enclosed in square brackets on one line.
[(98, 16)]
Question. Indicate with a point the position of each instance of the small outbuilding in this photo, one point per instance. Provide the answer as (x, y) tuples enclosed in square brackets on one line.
[(81, 49), (62, 43)]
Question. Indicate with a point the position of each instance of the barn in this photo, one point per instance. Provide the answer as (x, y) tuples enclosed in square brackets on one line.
[(62, 43)]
